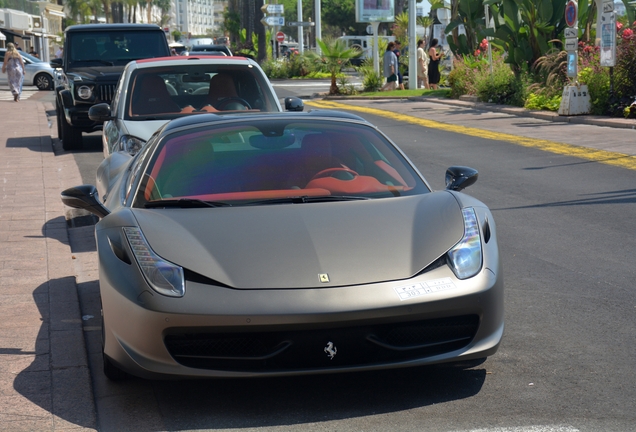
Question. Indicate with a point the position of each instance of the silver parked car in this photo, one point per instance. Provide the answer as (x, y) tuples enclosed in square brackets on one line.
[(37, 72), (151, 92), (270, 244)]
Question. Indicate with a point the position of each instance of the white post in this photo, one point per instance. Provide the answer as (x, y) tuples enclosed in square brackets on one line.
[(318, 24), (376, 53), (487, 16), (412, 46), (300, 27)]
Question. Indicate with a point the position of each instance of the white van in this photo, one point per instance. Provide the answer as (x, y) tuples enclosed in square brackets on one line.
[(364, 44)]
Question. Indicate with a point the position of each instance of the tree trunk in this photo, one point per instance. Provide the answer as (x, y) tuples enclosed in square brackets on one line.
[(260, 30)]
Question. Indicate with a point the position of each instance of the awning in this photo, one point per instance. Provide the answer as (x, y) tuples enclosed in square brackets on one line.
[(15, 34), (2, 36), (56, 13)]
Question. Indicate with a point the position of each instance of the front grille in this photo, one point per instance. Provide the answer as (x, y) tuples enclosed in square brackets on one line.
[(302, 350), (105, 92)]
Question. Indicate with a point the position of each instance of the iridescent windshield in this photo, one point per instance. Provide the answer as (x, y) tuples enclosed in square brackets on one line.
[(267, 160)]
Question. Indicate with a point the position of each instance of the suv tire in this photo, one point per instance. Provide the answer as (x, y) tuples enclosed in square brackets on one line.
[(71, 137), (58, 115)]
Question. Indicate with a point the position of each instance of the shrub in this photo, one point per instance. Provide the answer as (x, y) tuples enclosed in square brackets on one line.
[(461, 80), (371, 81), (502, 87), (543, 102)]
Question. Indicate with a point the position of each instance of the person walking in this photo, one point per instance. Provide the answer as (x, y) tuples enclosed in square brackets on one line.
[(433, 67), (390, 66), (14, 68), (422, 66), (396, 51)]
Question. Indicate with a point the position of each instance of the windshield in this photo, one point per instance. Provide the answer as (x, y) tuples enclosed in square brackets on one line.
[(277, 162), (189, 88), (114, 47), (33, 59)]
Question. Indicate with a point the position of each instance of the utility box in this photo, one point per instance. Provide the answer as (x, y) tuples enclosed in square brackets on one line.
[(575, 100)]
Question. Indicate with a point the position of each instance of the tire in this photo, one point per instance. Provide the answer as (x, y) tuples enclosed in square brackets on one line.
[(43, 82), (71, 137), (112, 372), (58, 121)]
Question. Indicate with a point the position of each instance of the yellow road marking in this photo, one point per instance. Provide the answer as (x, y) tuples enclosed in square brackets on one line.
[(601, 156)]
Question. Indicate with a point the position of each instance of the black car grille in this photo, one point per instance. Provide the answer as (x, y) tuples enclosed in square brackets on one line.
[(105, 92), (302, 350)]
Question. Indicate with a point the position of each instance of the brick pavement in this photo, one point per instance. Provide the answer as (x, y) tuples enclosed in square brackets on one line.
[(44, 377)]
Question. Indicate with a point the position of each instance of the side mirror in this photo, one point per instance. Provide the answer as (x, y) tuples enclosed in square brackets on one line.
[(460, 177), (294, 104), (84, 197), (100, 112), (56, 63)]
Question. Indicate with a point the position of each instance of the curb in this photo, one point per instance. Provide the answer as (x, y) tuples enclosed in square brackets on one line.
[(471, 102)]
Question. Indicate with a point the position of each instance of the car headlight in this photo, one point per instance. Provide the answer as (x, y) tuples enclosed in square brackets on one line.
[(85, 92), (130, 144), (465, 258), (163, 276)]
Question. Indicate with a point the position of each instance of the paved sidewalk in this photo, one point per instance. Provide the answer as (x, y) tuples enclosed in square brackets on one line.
[(601, 133), (44, 378)]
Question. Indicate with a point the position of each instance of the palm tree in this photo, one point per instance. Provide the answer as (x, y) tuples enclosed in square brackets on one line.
[(334, 55)]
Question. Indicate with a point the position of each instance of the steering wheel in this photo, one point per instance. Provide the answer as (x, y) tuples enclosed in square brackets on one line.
[(332, 172), (224, 103)]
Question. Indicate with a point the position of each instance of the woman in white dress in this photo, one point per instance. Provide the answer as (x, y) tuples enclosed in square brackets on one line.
[(13, 66)]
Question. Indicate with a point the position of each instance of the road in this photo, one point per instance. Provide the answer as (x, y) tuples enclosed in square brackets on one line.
[(567, 361)]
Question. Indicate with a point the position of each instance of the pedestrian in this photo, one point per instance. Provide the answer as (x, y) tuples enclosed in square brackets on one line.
[(17, 46), (422, 66), (60, 52), (33, 52), (390, 67), (433, 66), (14, 68), (396, 51)]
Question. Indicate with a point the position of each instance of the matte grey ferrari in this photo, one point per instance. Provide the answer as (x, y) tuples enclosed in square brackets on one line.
[(273, 244)]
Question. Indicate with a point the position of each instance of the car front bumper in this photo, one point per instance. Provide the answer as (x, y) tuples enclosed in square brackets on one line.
[(219, 332)]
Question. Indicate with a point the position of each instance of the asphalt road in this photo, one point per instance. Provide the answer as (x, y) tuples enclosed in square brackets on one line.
[(567, 362)]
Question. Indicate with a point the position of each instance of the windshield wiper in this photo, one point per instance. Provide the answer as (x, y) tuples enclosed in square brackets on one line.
[(308, 199), (185, 203)]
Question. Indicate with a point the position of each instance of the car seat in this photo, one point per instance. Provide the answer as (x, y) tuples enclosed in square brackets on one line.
[(151, 96)]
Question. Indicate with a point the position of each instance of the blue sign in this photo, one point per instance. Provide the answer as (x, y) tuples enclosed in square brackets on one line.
[(571, 13)]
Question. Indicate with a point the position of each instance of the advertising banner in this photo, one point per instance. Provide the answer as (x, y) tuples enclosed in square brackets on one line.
[(607, 24), (375, 10)]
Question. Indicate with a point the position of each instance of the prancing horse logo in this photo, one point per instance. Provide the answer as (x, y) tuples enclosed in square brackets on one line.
[(331, 350)]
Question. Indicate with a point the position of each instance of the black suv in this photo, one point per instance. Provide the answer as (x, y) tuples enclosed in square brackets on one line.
[(94, 59)]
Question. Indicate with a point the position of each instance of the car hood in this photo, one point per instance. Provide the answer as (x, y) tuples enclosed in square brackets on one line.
[(290, 245), (143, 129), (98, 73)]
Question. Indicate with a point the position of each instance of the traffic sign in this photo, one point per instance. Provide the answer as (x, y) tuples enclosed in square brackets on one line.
[(301, 23), (272, 8), (273, 21), (280, 36), (571, 44), (571, 32), (571, 13)]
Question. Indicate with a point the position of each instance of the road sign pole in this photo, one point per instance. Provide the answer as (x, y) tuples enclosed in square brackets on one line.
[(318, 24), (300, 28)]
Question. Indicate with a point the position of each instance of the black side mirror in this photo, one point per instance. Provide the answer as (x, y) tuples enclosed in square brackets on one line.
[(100, 112), (294, 104), (56, 63), (460, 177), (84, 197)]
